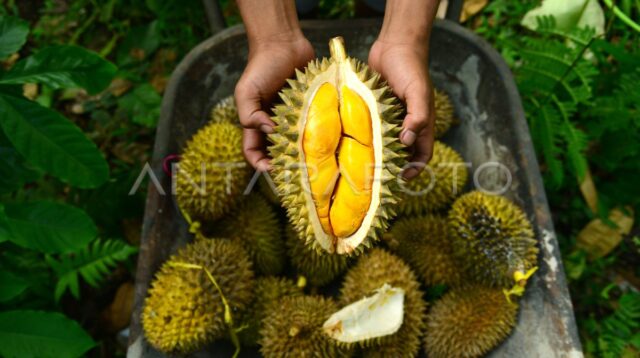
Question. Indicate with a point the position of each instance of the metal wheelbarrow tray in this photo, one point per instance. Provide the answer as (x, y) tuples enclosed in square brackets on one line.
[(492, 135)]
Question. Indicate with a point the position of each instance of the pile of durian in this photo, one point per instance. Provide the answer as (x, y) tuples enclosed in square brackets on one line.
[(337, 256)]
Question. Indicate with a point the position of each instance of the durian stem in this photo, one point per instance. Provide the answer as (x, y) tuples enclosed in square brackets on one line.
[(228, 318), (336, 47)]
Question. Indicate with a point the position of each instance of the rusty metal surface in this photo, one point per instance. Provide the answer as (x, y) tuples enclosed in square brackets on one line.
[(492, 130)]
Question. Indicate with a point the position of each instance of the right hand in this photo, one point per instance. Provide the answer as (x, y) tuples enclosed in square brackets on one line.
[(271, 62)]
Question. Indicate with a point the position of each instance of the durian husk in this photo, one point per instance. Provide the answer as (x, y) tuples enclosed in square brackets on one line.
[(269, 192), (216, 148), (294, 329), (183, 310), (318, 267), (437, 186), (445, 117), (491, 238), (269, 290), (254, 224), (225, 111), (423, 242), (286, 150), (377, 268), (469, 322)]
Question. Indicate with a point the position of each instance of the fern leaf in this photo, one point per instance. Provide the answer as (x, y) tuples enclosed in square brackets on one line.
[(546, 127), (92, 264)]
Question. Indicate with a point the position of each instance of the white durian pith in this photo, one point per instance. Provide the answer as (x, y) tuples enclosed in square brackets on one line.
[(289, 160)]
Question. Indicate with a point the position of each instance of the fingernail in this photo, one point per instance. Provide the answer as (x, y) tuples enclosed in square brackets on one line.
[(266, 128), (410, 173), (408, 137)]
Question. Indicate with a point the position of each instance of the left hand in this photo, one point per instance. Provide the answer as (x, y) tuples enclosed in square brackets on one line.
[(405, 68)]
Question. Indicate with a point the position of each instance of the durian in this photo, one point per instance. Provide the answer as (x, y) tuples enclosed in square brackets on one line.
[(294, 329), (212, 172), (267, 187), (269, 290), (184, 310), (469, 322), (336, 154), (318, 267), (423, 242), (437, 186), (492, 239), (372, 271), (226, 111), (255, 225), (444, 113)]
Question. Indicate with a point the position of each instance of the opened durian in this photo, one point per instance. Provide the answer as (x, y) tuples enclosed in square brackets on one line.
[(268, 292), (226, 111), (317, 266), (371, 272), (336, 154), (184, 310), (492, 239), (423, 242), (255, 225), (294, 329), (212, 172), (469, 322), (444, 113), (437, 186), (267, 187)]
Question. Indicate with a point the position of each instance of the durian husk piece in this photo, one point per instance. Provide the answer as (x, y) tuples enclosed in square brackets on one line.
[(294, 329), (225, 111), (288, 155), (423, 242), (372, 271), (184, 310), (212, 172), (318, 267), (437, 186), (445, 117), (469, 322), (254, 224), (492, 239), (269, 290)]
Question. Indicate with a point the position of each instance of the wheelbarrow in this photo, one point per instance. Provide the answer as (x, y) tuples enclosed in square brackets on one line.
[(492, 135)]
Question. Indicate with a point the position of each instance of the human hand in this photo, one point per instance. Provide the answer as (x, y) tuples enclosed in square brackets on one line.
[(405, 67), (271, 62)]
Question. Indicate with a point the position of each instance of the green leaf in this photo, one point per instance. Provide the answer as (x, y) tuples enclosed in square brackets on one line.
[(141, 41), (11, 286), (142, 105), (63, 67), (13, 34), (51, 142), (14, 171), (5, 235), (93, 263), (49, 227), (40, 334)]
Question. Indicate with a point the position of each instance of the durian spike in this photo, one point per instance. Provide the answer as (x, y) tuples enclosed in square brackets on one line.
[(520, 279), (228, 318), (336, 47)]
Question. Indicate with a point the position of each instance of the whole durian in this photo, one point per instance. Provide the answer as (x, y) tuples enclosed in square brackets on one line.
[(255, 225), (444, 113), (226, 111), (294, 329), (265, 187), (437, 186), (318, 267), (492, 239), (269, 290), (469, 322), (371, 272), (212, 172), (183, 310), (423, 242), (336, 153)]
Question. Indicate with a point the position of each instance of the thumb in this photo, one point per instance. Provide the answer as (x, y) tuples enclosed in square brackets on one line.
[(417, 117)]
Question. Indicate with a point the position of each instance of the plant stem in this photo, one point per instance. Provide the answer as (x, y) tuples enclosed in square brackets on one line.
[(622, 16)]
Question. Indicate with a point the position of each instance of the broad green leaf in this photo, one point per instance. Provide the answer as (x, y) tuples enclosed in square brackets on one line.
[(11, 286), (63, 67), (51, 142), (25, 334), (49, 227), (5, 235), (141, 41), (13, 34), (569, 14), (142, 105), (14, 171)]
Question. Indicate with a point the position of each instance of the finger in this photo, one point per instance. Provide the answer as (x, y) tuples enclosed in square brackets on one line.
[(255, 150), (422, 152), (418, 100), (250, 111)]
